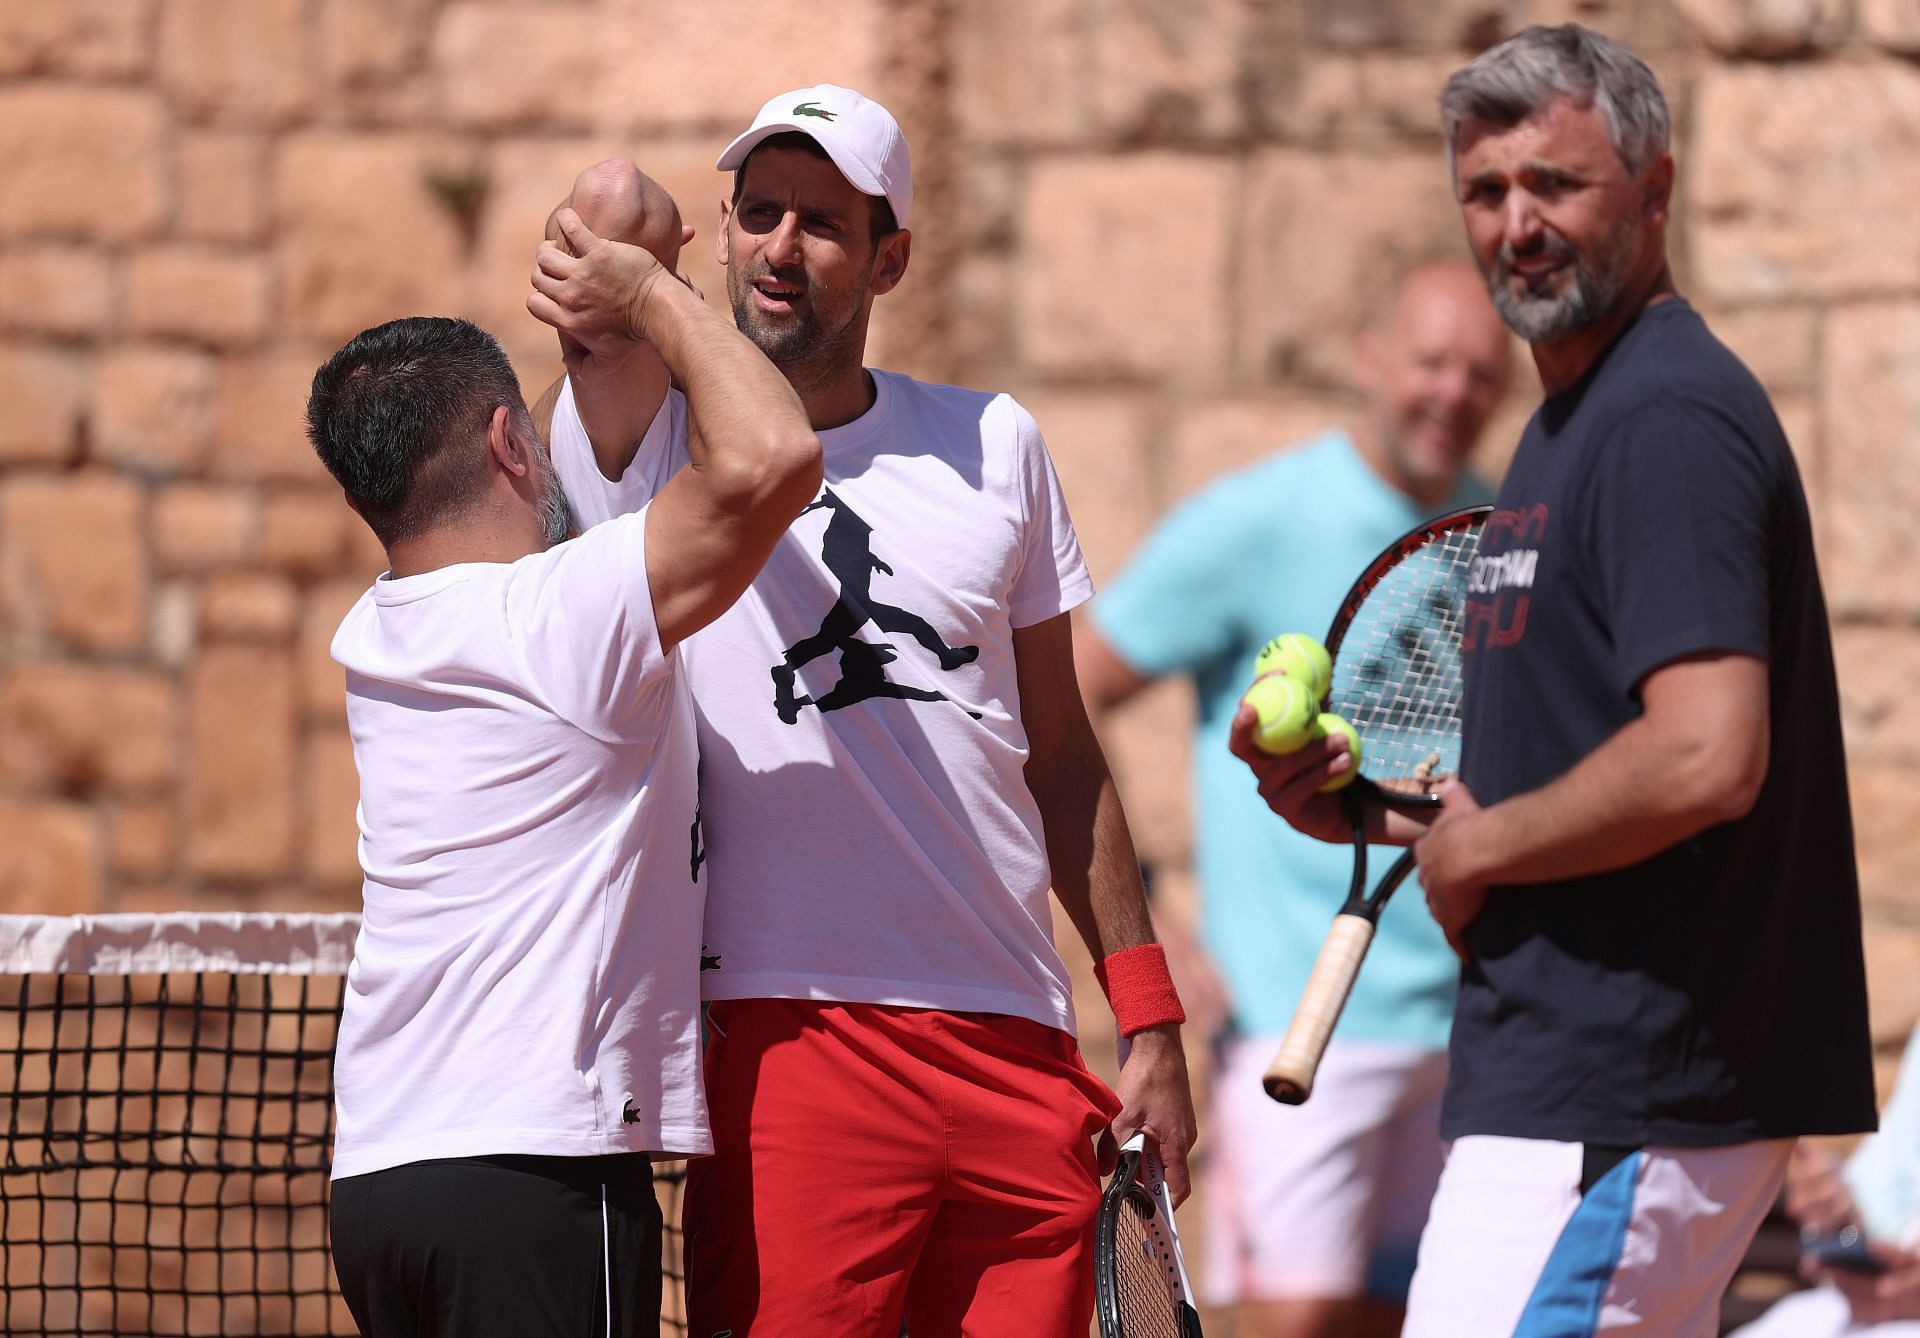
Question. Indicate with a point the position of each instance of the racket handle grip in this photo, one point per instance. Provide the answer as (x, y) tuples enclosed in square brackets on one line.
[(1289, 1078)]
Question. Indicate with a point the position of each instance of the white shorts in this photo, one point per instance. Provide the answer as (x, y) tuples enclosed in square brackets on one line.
[(1514, 1250), (1324, 1199), (1821, 1313)]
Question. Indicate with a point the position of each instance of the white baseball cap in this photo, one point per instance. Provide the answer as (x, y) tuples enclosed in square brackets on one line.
[(859, 134)]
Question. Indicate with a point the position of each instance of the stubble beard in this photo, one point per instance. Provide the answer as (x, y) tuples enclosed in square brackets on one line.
[(1595, 285), (557, 524), (783, 342), (798, 344)]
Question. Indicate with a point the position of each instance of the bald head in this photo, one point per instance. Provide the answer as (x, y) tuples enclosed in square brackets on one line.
[(1451, 282), (618, 201), (1434, 367)]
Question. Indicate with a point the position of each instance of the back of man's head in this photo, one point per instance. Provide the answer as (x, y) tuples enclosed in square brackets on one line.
[(400, 414)]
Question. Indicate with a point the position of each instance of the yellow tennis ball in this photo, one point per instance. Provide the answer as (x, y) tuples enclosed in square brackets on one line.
[(1298, 655), (1285, 708), (1325, 724)]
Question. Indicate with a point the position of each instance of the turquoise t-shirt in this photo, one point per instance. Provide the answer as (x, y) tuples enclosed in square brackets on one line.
[(1884, 1171), (1266, 550)]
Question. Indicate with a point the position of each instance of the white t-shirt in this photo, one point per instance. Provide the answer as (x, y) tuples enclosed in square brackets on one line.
[(596, 498), (877, 842), (526, 979)]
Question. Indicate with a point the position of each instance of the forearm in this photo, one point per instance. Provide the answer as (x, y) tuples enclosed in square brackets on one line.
[(1096, 874), (1631, 798), (1387, 826), (1097, 878), (617, 402), (749, 416)]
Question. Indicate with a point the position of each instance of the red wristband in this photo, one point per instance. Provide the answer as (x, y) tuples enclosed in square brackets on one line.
[(1139, 989)]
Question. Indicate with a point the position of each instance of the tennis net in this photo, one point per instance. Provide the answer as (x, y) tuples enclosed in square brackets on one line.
[(166, 1101)]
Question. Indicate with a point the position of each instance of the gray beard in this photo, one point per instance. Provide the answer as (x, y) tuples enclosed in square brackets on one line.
[(557, 524), (1542, 318)]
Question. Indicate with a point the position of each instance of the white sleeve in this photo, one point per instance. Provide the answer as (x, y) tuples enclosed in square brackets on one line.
[(594, 497), (583, 615), (1052, 577)]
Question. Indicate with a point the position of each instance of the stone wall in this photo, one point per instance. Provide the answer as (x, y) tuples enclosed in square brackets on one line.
[(1155, 223)]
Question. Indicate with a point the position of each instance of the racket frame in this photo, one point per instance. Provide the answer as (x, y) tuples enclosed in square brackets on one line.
[(1289, 1078), (1139, 1184)]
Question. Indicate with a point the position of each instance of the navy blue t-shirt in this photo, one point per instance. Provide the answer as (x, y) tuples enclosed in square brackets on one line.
[(1716, 992)]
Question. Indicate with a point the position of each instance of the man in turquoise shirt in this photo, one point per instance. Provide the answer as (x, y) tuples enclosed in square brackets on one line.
[(1314, 1211)]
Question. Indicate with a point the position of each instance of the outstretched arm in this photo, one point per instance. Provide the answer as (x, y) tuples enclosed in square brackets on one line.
[(1097, 876), (755, 462), (1107, 681), (617, 387)]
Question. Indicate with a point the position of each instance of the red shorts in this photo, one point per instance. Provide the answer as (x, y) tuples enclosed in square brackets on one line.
[(876, 1164)]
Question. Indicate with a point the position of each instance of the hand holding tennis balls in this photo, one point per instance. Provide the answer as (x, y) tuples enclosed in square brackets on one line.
[(1298, 656), (1325, 725), (1285, 707)]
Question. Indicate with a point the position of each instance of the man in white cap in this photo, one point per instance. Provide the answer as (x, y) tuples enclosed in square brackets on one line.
[(895, 766)]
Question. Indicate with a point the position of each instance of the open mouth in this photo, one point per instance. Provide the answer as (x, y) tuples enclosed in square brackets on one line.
[(773, 295), (1439, 434), (1537, 276), (1538, 271)]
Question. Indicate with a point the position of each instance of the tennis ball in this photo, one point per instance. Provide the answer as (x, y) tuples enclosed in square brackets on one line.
[(1325, 724), (1285, 708), (1298, 655)]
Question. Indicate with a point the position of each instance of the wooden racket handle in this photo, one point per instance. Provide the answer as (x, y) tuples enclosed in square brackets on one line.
[(1289, 1078)]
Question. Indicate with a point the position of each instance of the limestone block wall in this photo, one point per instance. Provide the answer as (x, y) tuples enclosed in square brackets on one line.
[(1156, 223)]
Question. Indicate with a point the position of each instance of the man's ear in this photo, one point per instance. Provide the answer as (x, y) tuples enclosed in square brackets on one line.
[(890, 263), (720, 233), (504, 444), (1658, 197)]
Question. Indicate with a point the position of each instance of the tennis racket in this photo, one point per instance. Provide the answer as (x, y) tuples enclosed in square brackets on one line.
[(1395, 644), (1140, 1284)]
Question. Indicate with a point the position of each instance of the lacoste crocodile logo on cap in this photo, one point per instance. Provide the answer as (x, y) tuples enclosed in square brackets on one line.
[(858, 134)]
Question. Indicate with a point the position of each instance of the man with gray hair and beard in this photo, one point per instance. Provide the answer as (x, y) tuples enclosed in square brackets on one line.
[(1646, 864)]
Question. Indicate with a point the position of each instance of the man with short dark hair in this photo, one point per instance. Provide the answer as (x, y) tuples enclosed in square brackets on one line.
[(521, 1026), (1647, 862), (895, 766)]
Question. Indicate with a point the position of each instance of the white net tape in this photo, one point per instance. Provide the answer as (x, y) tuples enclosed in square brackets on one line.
[(241, 942)]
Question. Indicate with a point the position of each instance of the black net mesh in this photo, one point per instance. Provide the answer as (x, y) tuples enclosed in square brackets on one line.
[(167, 1142)]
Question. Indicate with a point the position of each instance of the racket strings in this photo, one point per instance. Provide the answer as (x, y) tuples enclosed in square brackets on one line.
[(1144, 1274), (1396, 677)]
